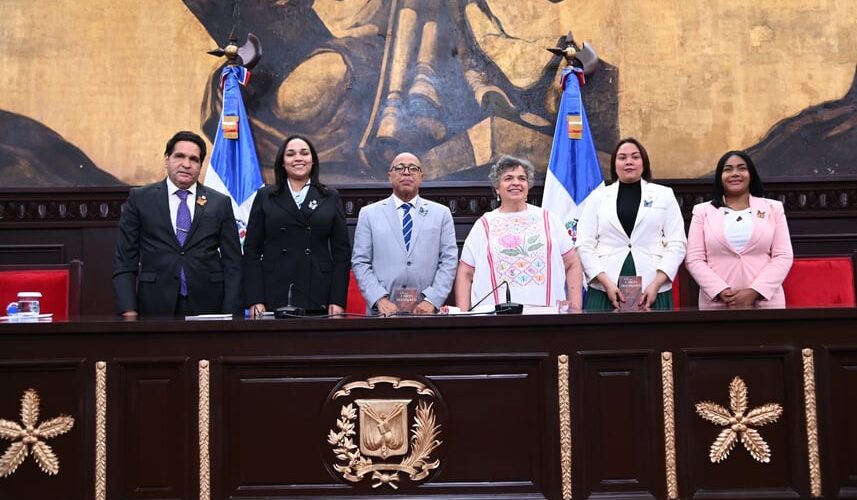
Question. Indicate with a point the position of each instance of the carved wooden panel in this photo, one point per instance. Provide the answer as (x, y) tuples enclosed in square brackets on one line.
[(839, 425), (278, 413), (616, 415), (61, 388), (32, 253), (151, 415), (771, 375)]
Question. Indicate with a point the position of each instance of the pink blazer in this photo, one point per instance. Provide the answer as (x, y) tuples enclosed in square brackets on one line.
[(762, 264)]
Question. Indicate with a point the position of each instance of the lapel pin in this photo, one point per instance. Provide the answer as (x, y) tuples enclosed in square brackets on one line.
[(760, 214), (201, 200), (423, 211), (313, 204), (647, 203)]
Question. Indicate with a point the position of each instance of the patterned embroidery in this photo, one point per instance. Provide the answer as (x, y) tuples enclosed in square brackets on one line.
[(522, 258)]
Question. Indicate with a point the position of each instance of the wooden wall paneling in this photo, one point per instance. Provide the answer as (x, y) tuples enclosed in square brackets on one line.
[(838, 426), (32, 253), (617, 425), (61, 385), (771, 374), (490, 410), (151, 415)]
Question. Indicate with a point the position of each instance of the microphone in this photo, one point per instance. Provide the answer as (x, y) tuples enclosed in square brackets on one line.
[(508, 307), (289, 311)]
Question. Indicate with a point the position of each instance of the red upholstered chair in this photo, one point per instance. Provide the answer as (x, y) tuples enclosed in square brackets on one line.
[(59, 285), (822, 282), (355, 303)]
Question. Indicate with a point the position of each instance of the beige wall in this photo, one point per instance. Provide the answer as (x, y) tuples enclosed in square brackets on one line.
[(697, 77)]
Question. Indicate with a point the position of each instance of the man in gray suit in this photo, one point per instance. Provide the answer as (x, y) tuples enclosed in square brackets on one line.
[(404, 243)]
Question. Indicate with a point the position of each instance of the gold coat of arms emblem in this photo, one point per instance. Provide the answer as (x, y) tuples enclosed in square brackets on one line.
[(372, 433)]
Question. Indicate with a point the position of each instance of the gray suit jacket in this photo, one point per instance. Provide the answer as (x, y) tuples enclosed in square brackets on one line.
[(381, 263)]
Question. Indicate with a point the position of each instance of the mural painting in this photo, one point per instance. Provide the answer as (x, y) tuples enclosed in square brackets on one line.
[(458, 82)]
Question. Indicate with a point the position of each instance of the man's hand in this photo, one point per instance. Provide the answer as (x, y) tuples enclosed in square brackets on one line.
[(423, 307), (334, 309), (386, 307), (130, 315)]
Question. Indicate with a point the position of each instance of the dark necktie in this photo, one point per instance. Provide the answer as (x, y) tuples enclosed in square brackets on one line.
[(182, 229), (407, 225)]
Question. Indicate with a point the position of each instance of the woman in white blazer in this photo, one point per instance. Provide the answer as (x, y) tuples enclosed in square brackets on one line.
[(632, 227)]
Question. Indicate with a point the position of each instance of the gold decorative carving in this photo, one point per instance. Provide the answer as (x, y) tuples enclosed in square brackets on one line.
[(383, 426), (396, 382), (669, 423), (30, 436), (564, 425), (204, 458), (738, 423), (100, 430), (811, 422)]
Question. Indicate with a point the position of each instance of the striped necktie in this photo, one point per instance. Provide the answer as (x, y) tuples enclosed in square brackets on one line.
[(407, 225), (182, 229)]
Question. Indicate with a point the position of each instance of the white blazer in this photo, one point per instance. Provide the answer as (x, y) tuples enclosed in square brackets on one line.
[(657, 241)]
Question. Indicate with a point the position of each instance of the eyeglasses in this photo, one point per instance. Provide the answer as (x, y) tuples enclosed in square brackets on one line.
[(411, 168)]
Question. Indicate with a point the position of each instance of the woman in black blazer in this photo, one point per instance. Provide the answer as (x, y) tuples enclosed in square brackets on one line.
[(297, 238)]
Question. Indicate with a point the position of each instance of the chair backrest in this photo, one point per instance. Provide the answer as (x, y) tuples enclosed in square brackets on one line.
[(822, 282), (355, 303), (59, 285)]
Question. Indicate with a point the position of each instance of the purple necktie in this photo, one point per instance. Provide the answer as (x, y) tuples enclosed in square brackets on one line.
[(182, 228)]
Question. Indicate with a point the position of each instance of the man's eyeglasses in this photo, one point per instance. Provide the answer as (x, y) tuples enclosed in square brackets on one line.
[(411, 168)]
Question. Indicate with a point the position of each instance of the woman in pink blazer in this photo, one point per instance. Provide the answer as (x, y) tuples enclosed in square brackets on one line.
[(738, 247)]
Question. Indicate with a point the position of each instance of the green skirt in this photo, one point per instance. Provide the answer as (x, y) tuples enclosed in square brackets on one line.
[(596, 300)]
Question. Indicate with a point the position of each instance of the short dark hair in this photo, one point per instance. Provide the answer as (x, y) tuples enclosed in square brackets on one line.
[(186, 135), (756, 188), (647, 166), (280, 174)]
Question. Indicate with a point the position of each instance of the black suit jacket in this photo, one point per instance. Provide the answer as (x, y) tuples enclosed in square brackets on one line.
[(307, 247), (148, 255)]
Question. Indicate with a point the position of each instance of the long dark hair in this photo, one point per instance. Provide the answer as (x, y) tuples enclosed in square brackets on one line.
[(644, 155), (280, 176), (755, 181)]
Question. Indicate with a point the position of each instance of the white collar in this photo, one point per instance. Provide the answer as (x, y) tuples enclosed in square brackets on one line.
[(172, 188)]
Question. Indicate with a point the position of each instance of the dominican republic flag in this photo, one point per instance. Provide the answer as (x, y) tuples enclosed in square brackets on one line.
[(234, 165), (573, 170)]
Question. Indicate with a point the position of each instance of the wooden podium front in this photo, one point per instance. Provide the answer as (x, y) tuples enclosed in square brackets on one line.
[(738, 404)]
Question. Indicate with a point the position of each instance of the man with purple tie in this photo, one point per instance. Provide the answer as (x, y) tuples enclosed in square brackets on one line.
[(177, 251)]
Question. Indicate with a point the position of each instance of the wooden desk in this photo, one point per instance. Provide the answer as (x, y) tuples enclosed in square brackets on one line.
[(598, 405)]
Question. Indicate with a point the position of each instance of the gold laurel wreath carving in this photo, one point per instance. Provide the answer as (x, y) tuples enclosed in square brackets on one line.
[(423, 441), (100, 430), (811, 422), (564, 425), (738, 423), (29, 437), (669, 423), (204, 406)]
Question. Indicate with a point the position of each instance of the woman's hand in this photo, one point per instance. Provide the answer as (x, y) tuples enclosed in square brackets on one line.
[(334, 309), (256, 310), (726, 296), (650, 293), (746, 297), (611, 289)]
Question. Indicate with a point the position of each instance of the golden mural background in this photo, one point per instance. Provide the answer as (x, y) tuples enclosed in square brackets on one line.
[(116, 78)]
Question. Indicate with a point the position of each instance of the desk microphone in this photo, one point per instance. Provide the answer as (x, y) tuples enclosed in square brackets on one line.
[(289, 311), (507, 307)]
